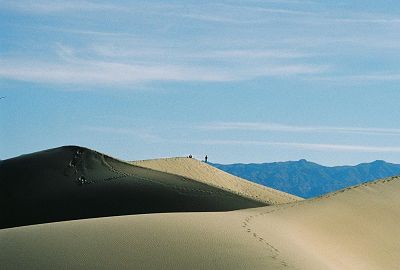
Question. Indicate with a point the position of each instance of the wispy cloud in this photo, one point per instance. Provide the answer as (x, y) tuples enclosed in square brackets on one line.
[(114, 73), (84, 32), (367, 18), (296, 129), (196, 51), (279, 11), (370, 21), (307, 146), (238, 14), (43, 6), (248, 13), (73, 66), (93, 72), (235, 13), (359, 78), (231, 54), (256, 53), (214, 18)]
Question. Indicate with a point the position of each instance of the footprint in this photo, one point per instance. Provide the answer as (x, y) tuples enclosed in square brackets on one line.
[(72, 163), (82, 181)]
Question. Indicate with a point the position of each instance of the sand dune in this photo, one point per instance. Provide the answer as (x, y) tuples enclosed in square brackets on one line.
[(202, 172), (357, 228), (73, 183)]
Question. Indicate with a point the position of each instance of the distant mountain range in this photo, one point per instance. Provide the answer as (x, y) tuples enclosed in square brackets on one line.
[(308, 179)]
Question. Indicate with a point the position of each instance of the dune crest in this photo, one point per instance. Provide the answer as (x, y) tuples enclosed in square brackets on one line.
[(203, 172)]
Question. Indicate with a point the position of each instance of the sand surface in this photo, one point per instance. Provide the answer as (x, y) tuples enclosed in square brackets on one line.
[(180, 218), (357, 228), (202, 172)]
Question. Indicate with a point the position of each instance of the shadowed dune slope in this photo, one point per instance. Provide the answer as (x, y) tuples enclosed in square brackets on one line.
[(73, 183), (356, 229), (202, 172)]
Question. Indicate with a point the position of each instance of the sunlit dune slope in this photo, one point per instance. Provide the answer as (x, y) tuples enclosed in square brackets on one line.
[(202, 172), (74, 182), (355, 229)]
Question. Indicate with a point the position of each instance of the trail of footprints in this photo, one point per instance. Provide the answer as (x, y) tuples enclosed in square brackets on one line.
[(76, 168), (246, 224)]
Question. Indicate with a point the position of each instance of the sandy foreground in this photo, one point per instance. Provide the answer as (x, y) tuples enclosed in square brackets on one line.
[(354, 229)]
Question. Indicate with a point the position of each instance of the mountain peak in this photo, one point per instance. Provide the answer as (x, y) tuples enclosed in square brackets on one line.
[(378, 161)]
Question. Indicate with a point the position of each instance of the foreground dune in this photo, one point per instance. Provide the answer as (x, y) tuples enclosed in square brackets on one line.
[(73, 182), (202, 172), (356, 228)]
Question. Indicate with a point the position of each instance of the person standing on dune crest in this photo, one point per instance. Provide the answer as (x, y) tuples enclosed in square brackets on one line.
[(206, 158)]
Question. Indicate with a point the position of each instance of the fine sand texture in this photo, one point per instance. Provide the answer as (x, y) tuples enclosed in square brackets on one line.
[(202, 172), (355, 229), (73, 182)]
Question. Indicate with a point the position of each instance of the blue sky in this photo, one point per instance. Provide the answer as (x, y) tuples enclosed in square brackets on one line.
[(241, 81)]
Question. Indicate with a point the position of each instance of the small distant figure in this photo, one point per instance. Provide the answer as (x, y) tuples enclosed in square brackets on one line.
[(206, 158), (190, 156)]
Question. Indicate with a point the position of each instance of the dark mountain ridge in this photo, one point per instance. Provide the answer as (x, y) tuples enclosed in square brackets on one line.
[(308, 179)]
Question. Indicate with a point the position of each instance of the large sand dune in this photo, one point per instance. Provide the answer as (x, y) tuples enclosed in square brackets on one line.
[(73, 183), (194, 169), (357, 228)]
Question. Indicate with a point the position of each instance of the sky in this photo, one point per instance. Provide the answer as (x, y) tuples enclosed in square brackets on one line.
[(241, 81)]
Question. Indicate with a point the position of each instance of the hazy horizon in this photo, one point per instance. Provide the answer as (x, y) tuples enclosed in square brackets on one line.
[(201, 158)]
